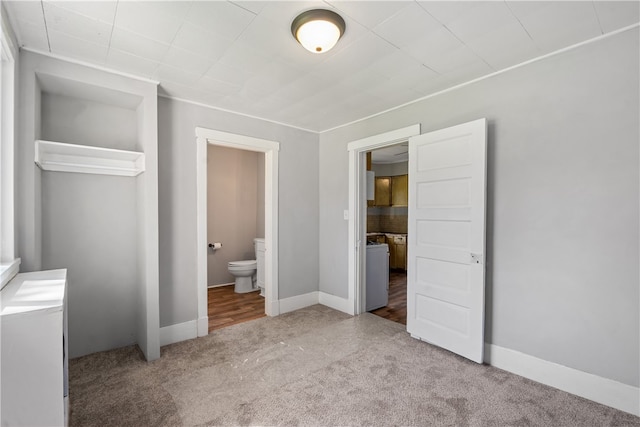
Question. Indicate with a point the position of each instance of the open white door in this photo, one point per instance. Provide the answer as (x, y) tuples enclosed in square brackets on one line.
[(445, 278)]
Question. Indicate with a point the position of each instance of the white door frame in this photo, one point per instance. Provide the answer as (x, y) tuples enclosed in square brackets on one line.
[(358, 206), (270, 149)]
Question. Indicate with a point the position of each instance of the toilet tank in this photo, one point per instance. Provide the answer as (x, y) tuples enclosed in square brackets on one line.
[(258, 244)]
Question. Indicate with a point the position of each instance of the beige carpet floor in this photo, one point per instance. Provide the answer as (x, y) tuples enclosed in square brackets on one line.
[(315, 366)]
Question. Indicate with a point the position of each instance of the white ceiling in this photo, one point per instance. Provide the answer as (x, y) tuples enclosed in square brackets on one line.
[(393, 154), (240, 56)]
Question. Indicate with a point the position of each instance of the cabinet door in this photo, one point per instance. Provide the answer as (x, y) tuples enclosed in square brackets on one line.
[(401, 256), (392, 253), (400, 190), (383, 191)]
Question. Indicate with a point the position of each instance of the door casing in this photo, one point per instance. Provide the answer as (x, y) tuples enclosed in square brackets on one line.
[(270, 149), (358, 208)]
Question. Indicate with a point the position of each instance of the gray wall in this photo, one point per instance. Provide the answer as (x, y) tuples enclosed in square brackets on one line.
[(390, 169), (298, 203), (89, 228), (234, 192), (10, 251), (78, 121), (562, 223), (89, 225)]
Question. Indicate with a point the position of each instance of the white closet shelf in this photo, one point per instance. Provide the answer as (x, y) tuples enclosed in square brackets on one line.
[(62, 157)]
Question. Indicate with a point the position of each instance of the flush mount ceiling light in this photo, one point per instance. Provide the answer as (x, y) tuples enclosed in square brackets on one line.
[(318, 30)]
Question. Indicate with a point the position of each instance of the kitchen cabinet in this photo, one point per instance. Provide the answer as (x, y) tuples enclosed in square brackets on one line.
[(401, 253), (383, 191), (397, 251), (391, 191), (34, 350), (400, 190)]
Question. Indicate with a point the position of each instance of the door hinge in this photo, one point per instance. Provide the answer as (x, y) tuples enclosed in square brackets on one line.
[(476, 259)]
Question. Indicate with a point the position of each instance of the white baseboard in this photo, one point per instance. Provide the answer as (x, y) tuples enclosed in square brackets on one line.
[(272, 308), (178, 332), (200, 328), (602, 390), (337, 303), (298, 302), (221, 285), (203, 326)]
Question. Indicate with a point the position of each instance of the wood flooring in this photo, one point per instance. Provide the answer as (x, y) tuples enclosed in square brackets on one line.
[(227, 308), (396, 309)]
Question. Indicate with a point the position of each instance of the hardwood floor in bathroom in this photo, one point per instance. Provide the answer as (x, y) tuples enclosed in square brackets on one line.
[(227, 308), (396, 309)]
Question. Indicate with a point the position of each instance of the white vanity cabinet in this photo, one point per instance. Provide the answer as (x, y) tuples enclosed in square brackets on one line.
[(34, 366)]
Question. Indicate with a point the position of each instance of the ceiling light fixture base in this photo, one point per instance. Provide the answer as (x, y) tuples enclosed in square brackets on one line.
[(318, 30)]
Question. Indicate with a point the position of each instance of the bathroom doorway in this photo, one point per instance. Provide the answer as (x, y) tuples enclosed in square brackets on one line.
[(235, 220), (204, 138)]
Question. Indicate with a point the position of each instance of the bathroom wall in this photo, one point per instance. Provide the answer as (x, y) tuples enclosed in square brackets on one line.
[(562, 209), (235, 197)]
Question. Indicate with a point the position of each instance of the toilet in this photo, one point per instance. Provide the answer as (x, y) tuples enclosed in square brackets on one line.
[(250, 274), (244, 272)]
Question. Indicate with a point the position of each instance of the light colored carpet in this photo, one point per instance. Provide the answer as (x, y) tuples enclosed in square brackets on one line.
[(315, 366)]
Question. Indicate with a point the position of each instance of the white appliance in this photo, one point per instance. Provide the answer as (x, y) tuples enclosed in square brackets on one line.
[(377, 279)]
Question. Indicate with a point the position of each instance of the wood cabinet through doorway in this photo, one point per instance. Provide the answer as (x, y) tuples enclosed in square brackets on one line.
[(383, 191), (397, 251), (400, 190), (391, 191)]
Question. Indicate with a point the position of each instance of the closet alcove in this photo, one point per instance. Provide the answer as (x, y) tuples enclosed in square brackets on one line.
[(94, 145)]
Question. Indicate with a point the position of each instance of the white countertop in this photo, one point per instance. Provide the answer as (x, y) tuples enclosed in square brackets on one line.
[(385, 233), (31, 292)]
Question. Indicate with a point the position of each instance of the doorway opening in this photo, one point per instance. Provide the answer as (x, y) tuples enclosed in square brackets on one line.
[(396, 308), (387, 221), (269, 149), (445, 293), (359, 210), (235, 235)]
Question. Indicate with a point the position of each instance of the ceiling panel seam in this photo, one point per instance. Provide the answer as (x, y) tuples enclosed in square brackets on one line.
[(504, 70), (46, 28)]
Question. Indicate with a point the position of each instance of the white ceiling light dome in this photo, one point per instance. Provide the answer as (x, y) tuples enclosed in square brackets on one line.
[(318, 30)]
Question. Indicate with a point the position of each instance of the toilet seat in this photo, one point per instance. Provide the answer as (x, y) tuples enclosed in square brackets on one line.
[(244, 273), (246, 263)]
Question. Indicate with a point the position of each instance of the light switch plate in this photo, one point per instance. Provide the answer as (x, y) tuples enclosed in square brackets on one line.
[(346, 214)]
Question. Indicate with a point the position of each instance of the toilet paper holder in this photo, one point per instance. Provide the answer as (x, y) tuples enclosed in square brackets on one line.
[(215, 246)]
